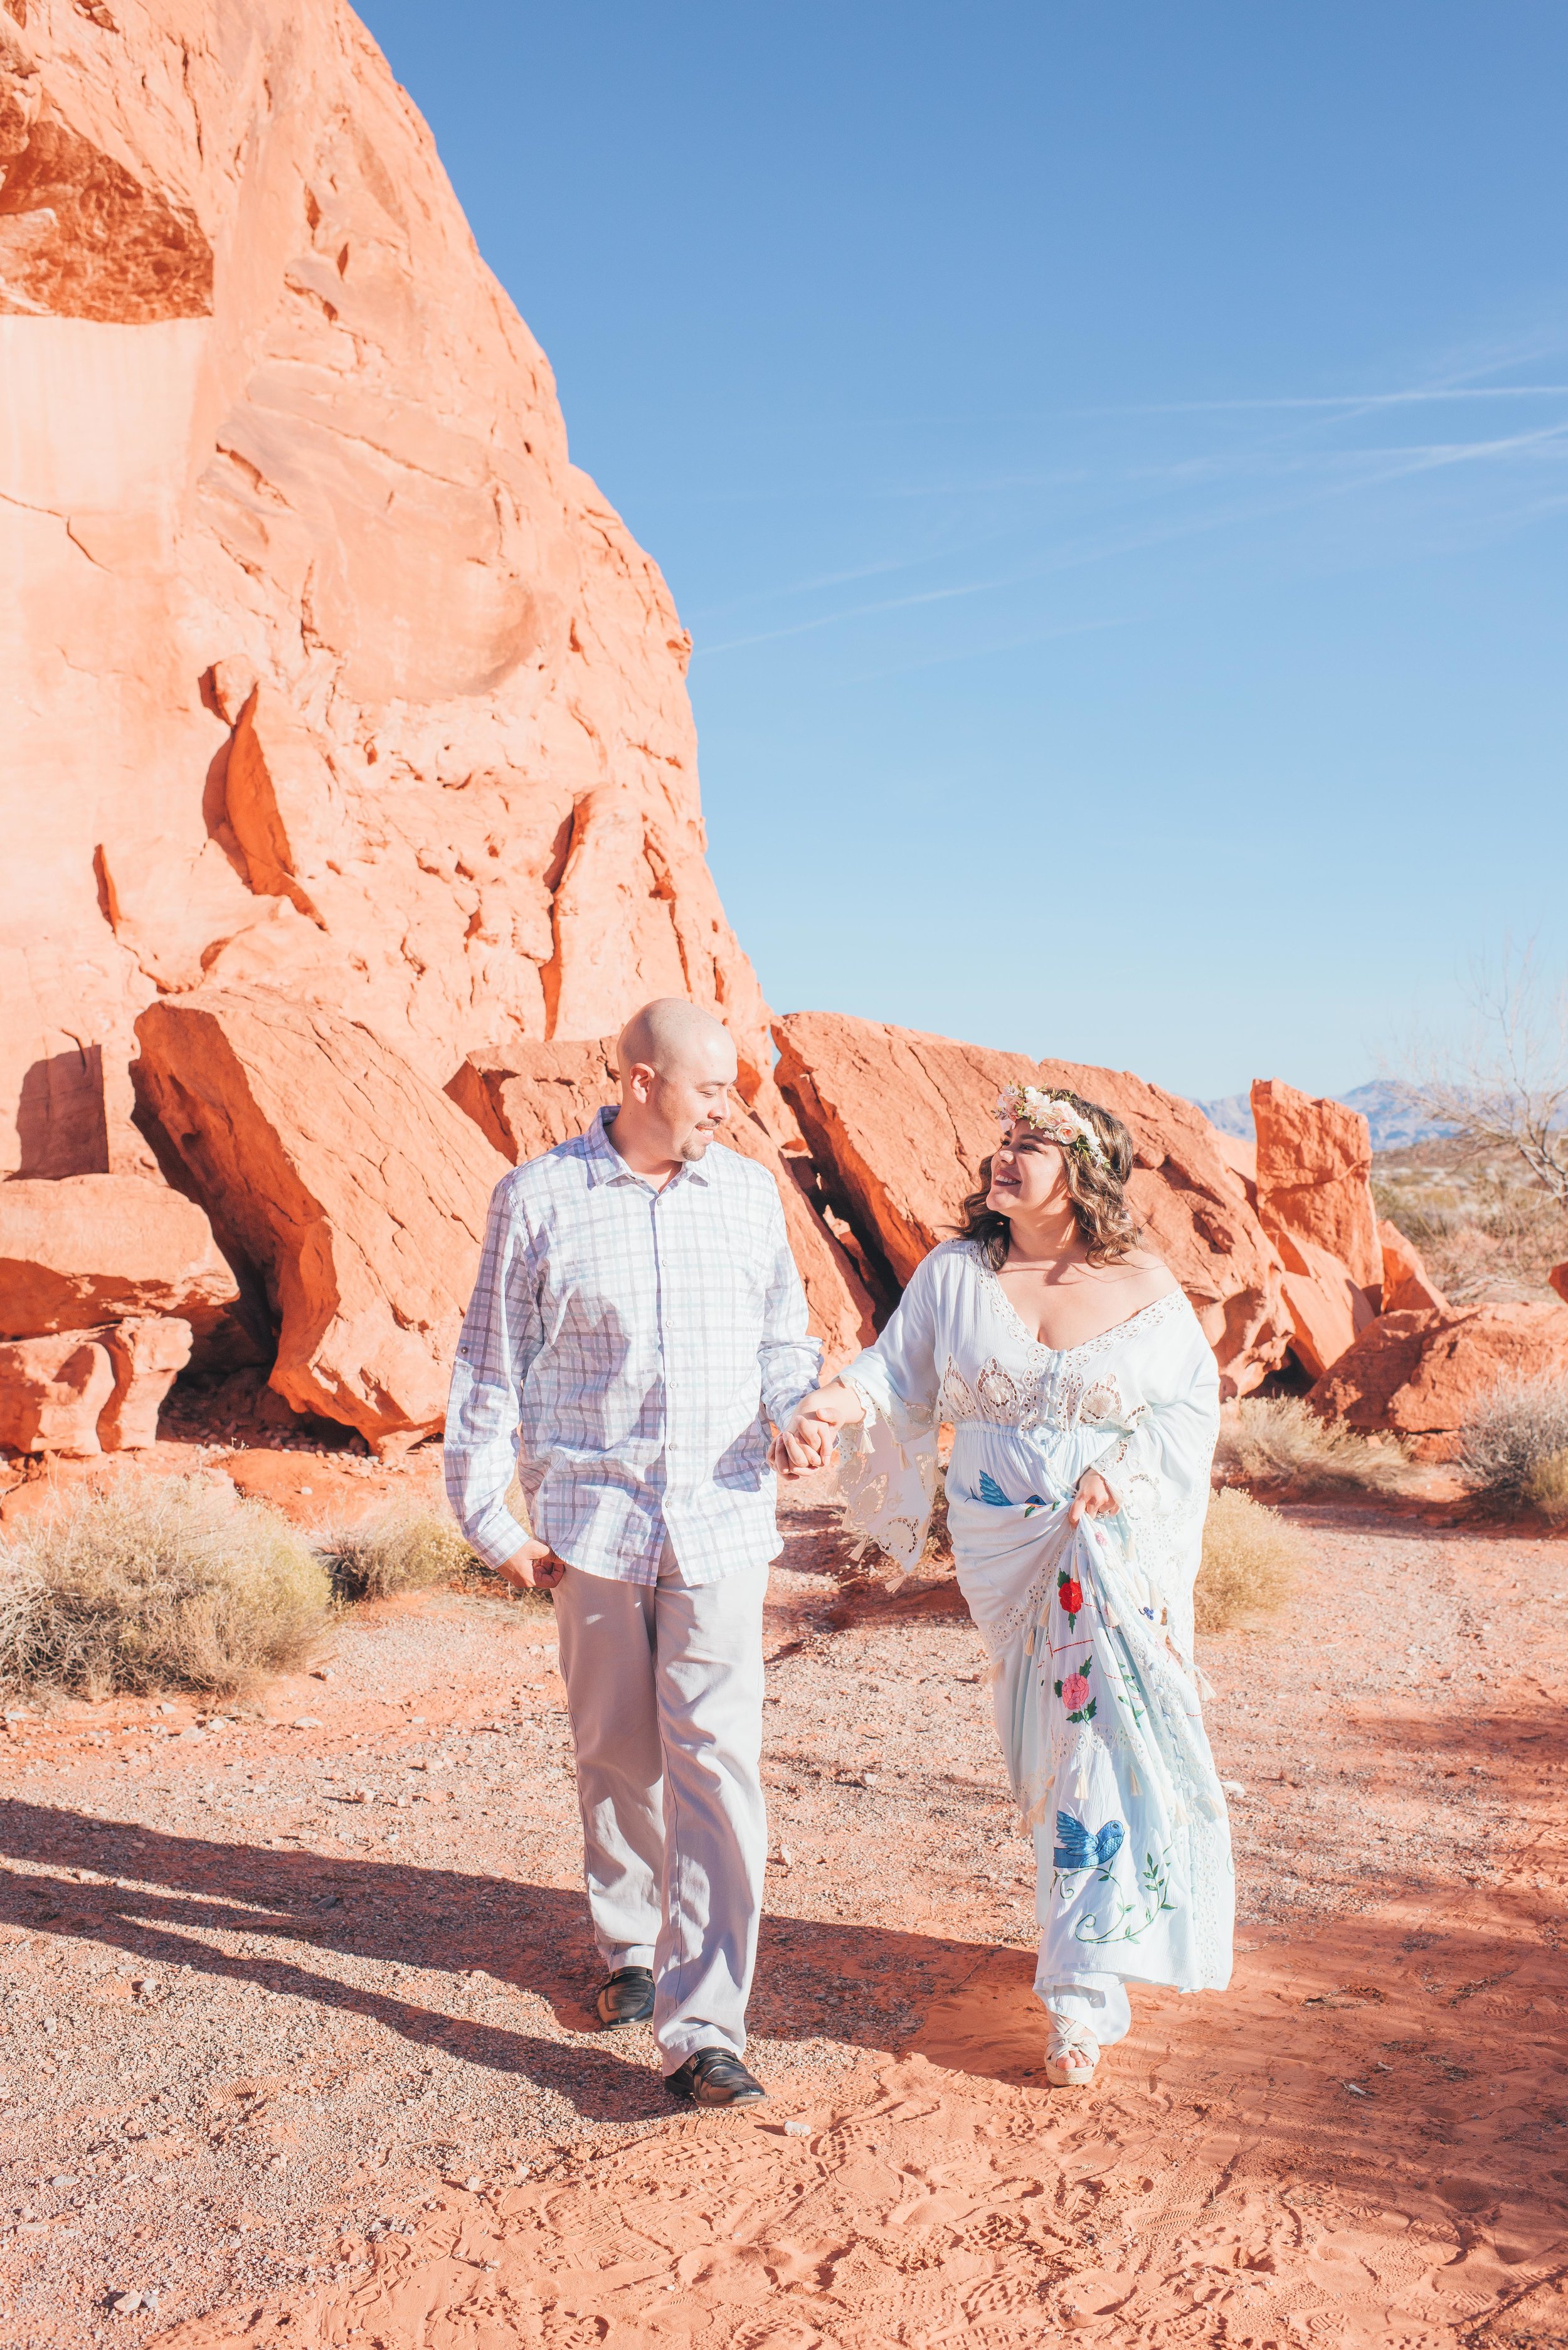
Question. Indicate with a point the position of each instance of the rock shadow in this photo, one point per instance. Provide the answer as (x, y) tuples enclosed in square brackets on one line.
[(61, 1118)]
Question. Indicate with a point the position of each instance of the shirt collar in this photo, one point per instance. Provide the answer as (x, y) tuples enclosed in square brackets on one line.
[(606, 1164)]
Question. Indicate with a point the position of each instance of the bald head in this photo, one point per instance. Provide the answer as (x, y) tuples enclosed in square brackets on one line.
[(676, 1065), (674, 1039)]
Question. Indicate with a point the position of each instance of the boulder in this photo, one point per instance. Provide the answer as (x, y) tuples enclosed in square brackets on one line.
[(52, 1391), (97, 1248), (1313, 1177), (1425, 1373), (333, 671), (527, 1100), (898, 1123), (1328, 1310), (87, 1391), (147, 1353), (1558, 1278), (1407, 1286), (1239, 1153), (357, 1192)]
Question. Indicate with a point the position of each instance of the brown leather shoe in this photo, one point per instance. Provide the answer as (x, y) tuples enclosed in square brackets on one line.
[(715, 2077), (625, 1997)]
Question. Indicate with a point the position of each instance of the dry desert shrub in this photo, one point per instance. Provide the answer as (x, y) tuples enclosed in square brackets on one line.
[(172, 1583), (1249, 1561), (1486, 1230), (412, 1547), (402, 1548), (1547, 1490), (1515, 1449), (1279, 1441)]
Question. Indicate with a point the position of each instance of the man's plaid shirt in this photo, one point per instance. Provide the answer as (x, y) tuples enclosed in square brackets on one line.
[(621, 1348)]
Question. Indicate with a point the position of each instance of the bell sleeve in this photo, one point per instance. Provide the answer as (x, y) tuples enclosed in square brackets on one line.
[(1158, 1469), (887, 1466)]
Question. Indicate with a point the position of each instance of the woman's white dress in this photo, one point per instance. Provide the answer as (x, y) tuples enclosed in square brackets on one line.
[(1089, 1630)]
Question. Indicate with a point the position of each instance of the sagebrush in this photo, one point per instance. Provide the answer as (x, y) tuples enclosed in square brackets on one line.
[(167, 1583), (404, 1548), (1251, 1560), (1515, 1449), (1279, 1441), (1547, 1490)]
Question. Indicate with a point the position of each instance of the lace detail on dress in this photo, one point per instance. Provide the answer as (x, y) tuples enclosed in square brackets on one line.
[(1173, 1301), (996, 1397), (1060, 1386)]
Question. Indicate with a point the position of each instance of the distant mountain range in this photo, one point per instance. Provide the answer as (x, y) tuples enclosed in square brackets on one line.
[(1394, 1124)]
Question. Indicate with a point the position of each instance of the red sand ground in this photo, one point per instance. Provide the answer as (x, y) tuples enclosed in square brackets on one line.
[(357, 2099)]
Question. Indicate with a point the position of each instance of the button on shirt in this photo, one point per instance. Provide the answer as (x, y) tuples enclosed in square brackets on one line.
[(621, 1348)]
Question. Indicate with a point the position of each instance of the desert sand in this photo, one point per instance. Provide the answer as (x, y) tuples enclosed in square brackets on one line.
[(296, 2049)]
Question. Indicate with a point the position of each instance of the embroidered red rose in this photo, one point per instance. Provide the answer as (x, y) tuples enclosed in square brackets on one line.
[(1070, 1592)]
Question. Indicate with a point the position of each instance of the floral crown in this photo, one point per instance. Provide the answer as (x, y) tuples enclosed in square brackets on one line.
[(1050, 1115)]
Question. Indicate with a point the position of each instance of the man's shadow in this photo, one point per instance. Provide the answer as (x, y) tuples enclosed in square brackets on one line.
[(855, 1984)]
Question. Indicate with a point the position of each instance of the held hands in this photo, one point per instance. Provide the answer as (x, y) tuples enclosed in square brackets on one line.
[(1094, 1499), (808, 1442), (535, 1567)]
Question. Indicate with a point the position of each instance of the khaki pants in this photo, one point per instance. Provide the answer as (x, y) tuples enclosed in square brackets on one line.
[(664, 1685)]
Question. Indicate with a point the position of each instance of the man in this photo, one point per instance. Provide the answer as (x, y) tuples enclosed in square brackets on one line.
[(636, 1312)]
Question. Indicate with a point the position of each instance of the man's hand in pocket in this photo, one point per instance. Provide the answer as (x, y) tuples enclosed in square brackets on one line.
[(535, 1567)]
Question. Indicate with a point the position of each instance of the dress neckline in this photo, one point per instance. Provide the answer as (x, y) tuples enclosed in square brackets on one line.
[(1058, 1354)]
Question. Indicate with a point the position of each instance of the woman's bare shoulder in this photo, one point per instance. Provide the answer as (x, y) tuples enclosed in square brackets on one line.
[(1148, 1276)]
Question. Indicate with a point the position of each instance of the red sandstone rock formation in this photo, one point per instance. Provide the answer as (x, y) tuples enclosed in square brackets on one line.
[(88, 1391), (1314, 1195), (1407, 1286), (52, 1391), (1328, 1310), (898, 1123), (1423, 1375), (355, 1190), (146, 1353), (94, 1247), (1242, 1158), (1314, 1164), (323, 667), (527, 1101)]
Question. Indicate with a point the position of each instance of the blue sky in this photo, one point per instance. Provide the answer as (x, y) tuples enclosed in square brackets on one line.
[(1114, 464)]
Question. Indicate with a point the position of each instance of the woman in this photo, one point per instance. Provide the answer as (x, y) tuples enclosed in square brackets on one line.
[(1085, 1403)]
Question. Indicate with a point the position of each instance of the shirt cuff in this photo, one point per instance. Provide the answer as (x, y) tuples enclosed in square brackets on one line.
[(781, 1409), (497, 1536)]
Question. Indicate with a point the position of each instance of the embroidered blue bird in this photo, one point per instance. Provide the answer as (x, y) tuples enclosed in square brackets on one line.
[(1077, 1848), (990, 1490)]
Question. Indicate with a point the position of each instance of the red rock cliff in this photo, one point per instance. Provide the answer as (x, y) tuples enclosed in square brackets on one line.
[(321, 665)]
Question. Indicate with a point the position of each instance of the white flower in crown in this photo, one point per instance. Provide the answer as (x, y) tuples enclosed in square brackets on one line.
[(1050, 1117)]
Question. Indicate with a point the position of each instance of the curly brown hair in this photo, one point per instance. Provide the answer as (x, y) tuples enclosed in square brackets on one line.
[(1098, 1189)]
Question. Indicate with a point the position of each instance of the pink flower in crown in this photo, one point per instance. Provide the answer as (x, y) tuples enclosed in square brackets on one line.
[(1075, 1690)]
